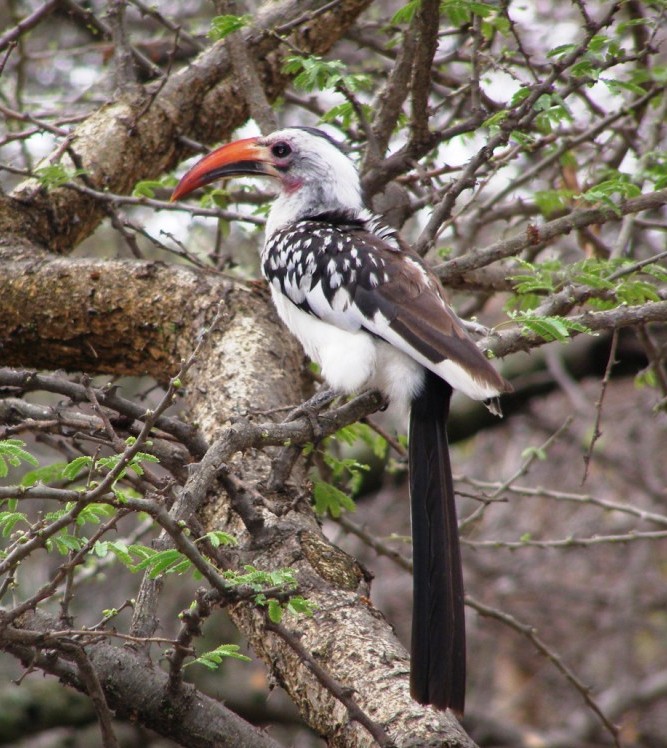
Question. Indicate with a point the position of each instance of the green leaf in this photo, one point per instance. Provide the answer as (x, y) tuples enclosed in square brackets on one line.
[(519, 96), (618, 87), (275, 611), (561, 50), (342, 466), (314, 73), (553, 201), (109, 463), (536, 277), (597, 43), (299, 606), (94, 514), (8, 520), (460, 12), (101, 548), (656, 169), (548, 327), (76, 466), (330, 499), (55, 516), (345, 114), (585, 69), (296, 606), (406, 13), (646, 378), (534, 452), (119, 550), (617, 183), (55, 175), (636, 292), (45, 474), (495, 24), (12, 454), (64, 543), (348, 434), (123, 495), (259, 580), (218, 537), (524, 302), (170, 561), (213, 659), (552, 111), (523, 138), (143, 552), (135, 462), (495, 120), (657, 271), (222, 26), (146, 188), (625, 25)]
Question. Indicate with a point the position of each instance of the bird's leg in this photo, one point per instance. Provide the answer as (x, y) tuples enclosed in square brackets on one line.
[(476, 328), (284, 461), (311, 408)]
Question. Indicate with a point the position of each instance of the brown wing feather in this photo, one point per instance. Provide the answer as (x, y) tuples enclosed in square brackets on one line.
[(412, 300)]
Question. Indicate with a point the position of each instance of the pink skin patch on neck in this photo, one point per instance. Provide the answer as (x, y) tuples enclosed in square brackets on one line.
[(291, 185)]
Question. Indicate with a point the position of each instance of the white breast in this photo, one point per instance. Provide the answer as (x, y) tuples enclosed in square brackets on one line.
[(352, 361)]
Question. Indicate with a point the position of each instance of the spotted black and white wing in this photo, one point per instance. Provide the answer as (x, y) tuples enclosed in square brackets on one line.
[(354, 274)]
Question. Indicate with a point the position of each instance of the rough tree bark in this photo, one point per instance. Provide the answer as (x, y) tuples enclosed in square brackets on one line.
[(138, 690), (137, 318), (247, 369), (137, 135)]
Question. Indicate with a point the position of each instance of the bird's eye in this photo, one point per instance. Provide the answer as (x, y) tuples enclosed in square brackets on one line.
[(281, 150)]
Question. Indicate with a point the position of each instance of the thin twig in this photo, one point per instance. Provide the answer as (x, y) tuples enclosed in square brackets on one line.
[(89, 678), (332, 686), (529, 632), (611, 361), (27, 23)]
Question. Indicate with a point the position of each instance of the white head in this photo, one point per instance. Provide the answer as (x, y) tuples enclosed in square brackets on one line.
[(314, 174)]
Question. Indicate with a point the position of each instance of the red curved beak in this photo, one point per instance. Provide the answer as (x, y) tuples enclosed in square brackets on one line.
[(243, 157)]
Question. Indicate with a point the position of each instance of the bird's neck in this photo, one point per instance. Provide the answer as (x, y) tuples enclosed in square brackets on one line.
[(304, 201)]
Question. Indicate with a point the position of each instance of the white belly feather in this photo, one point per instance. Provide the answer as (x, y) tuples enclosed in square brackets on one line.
[(353, 360)]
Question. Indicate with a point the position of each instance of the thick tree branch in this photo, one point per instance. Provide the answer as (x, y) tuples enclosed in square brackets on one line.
[(348, 637), (124, 142), (238, 373), (135, 689), (117, 317)]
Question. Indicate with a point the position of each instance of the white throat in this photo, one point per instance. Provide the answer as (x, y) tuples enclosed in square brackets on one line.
[(330, 186)]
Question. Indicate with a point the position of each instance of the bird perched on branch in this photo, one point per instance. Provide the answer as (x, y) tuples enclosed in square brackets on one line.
[(372, 314)]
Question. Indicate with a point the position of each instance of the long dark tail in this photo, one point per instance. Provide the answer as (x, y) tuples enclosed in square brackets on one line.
[(438, 670)]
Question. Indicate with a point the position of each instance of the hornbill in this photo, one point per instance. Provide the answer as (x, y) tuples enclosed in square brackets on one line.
[(372, 314)]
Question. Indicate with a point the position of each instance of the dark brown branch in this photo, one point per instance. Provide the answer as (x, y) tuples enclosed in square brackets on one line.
[(30, 381), (529, 632), (249, 83), (137, 690), (91, 683), (27, 23), (117, 149), (427, 24)]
